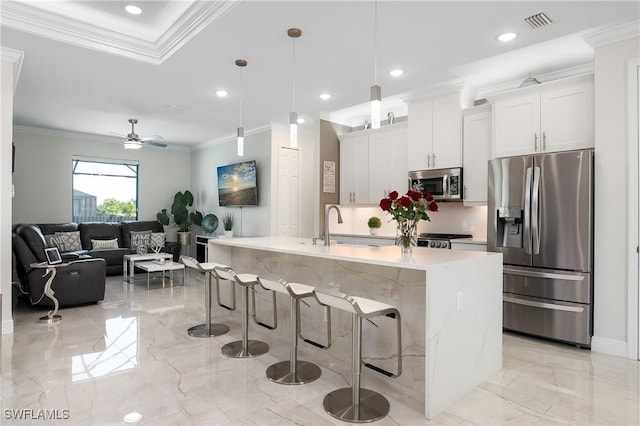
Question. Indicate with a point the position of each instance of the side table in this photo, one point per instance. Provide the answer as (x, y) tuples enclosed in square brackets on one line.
[(52, 316), (129, 263)]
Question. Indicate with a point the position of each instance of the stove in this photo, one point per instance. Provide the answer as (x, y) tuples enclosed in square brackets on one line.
[(439, 240)]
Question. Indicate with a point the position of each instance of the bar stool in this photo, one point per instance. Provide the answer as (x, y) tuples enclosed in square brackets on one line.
[(354, 404), (207, 329), (245, 348), (295, 371)]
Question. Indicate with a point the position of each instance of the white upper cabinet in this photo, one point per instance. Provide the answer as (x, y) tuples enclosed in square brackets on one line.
[(373, 163), (354, 159), (435, 127), (545, 119), (476, 136)]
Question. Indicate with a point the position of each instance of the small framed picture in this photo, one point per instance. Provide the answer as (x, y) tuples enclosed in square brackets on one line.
[(53, 255)]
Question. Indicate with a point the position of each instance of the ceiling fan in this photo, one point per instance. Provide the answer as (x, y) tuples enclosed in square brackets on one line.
[(133, 141)]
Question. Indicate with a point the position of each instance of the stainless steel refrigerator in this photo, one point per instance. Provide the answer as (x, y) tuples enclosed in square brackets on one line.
[(540, 217)]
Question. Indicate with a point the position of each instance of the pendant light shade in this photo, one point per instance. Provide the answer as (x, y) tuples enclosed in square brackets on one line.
[(294, 33), (376, 91), (240, 63)]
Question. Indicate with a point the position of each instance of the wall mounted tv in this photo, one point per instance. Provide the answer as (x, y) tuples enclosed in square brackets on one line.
[(237, 184)]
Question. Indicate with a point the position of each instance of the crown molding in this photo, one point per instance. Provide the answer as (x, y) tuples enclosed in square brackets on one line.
[(14, 56), (89, 137), (199, 15), (508, 86), (612, 34)]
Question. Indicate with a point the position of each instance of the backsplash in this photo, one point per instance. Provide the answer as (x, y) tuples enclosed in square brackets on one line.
[(451, 218)]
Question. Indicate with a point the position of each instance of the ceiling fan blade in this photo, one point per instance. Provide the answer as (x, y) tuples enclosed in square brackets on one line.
[(158, 144), (151, 138)]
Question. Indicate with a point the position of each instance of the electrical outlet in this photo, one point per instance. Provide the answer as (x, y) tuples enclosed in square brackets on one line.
[(458, 301)]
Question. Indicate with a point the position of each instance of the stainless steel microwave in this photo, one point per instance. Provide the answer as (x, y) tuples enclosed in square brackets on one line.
[(443, 184)]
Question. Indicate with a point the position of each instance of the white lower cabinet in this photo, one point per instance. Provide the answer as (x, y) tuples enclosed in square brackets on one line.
[(468, 246)]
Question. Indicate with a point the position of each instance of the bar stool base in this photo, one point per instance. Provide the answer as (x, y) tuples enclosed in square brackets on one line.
[(339, 404), (280, 372), (254, 348), (200, 330), (50, 319)]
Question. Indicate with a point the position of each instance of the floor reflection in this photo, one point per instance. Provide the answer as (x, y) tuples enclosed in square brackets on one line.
[(121, 353)]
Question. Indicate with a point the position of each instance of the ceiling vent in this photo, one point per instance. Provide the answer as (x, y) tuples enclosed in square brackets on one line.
[(538, 20)]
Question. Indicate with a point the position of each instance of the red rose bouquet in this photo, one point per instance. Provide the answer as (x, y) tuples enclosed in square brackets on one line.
[(407, 210)]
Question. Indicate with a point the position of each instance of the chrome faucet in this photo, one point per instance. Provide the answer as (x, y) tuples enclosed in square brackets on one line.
[(326, 222)]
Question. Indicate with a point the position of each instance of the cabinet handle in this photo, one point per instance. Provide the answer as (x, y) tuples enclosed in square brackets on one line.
[(354, 197), (544, 141), (535, 142), (465, 191), (351, 197), (433, 160), (428, 160)]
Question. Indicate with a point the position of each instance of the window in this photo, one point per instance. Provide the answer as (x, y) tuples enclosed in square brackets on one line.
[(104, 190)]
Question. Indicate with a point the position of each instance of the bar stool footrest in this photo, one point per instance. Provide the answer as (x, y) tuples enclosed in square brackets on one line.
[(372, 407), (254, 348), (306, 372), (200, 330)]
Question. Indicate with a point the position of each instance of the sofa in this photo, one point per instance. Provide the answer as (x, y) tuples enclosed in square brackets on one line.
[(99, 252)]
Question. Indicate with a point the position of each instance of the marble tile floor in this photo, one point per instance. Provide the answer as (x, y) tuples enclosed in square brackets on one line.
[(131, 353)]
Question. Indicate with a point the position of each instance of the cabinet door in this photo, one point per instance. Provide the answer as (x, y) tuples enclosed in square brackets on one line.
[(517, 126), (354, 170), (397, 162), (379, 166), (476, 154), (447, 130), (567, 118), (420, 134)]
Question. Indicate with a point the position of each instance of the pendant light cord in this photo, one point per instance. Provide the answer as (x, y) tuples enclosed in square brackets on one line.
[(375, 42), (293, 78), (241, 94)]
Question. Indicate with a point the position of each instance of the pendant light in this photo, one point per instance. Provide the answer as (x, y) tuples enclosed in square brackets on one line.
[(376, 91), (241, 63), (294, 33)]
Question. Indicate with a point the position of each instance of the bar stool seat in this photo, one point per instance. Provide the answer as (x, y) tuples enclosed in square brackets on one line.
[(244, 348), (355, 404), (294, 371), (207, 329)]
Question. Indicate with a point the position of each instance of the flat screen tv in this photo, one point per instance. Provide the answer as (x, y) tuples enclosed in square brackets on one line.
[(237, 184)]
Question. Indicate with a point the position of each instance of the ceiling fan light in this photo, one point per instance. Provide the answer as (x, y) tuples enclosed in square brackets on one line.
[(128, 144)]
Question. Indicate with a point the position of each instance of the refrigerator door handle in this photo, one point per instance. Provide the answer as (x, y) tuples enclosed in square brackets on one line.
[(542, 305), (535, 210), (527, 212), (548, 275)]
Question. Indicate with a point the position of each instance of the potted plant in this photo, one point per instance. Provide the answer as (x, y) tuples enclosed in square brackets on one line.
[(183, 215), (227, 223), (374, 223)]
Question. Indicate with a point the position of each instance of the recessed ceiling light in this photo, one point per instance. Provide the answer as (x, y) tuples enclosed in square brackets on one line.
[(325, 96), (396, 73), (300, 120), (134, 10), (222, 93), (507, 36), (133, 417)]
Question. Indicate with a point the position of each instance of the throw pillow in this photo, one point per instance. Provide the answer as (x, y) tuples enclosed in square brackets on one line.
[(157, 239), (104, 244), (141, 238), (67, 241)]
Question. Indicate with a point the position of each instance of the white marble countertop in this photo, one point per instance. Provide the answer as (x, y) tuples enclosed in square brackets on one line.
[(421, 258)]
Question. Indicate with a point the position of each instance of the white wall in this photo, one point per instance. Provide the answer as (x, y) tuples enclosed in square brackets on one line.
[(451, 218), (43, 174), (6, 118), (262, 146), (611, 195), (204, 162)]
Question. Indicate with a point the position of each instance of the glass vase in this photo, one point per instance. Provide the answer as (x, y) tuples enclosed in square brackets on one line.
[(406, 236)]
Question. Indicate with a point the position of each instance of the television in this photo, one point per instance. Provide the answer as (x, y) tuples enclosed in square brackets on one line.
[(237, 184)]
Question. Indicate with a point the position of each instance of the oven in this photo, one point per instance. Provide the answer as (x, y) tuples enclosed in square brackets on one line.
[(441, 241)]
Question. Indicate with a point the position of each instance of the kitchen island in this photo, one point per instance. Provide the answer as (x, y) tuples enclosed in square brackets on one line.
[(450, 303)]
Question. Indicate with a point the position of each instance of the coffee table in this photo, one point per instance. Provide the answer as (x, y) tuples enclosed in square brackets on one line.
[(131, 259), (155, 266)]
